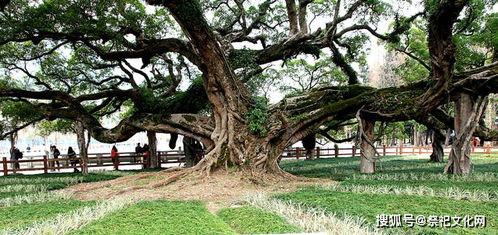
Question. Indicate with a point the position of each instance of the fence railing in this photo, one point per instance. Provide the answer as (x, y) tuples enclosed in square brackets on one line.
[(42, 163)]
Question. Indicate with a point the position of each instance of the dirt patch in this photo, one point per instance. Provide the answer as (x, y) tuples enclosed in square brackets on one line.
[(219, 190)]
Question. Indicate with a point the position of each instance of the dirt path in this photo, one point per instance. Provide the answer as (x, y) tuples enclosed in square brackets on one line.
[(219, 190)]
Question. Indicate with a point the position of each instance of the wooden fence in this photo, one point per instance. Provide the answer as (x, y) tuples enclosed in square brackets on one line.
[(42, 163), (382, 150)]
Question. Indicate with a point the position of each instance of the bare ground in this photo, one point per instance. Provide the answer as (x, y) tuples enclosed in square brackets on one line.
[(219, 190)]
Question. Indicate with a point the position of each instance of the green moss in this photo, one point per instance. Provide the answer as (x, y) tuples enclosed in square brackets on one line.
[(299, 117), (189, 118)]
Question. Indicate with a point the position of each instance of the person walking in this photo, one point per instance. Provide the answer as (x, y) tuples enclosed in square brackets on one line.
[(115, 157), (72, 158)]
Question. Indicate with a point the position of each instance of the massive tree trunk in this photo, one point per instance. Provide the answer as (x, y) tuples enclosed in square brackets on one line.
[(468, 111), (368, 158), (232, 142), (152, 140), (82, 146), (437, 146)]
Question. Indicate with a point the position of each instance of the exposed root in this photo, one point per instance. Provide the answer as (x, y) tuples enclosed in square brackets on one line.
[(120, 180), (191, 184), (171, 179)]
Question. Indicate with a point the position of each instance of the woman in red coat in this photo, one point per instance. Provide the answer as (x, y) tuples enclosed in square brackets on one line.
[(115, 157)]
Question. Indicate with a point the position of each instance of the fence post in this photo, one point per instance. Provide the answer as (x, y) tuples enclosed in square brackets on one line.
[(488, 149), (4, 163), (317, 152), (298, 154), (401, 149), (45, 164), (336, 150), (384, 150), (158, 159), (353, 149), (166, 157)]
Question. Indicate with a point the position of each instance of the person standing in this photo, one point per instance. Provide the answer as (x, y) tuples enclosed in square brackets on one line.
[(57, 153), (115, 157), (146, 154), (138, 152), (72, 158), (16, 155), (50, 156)]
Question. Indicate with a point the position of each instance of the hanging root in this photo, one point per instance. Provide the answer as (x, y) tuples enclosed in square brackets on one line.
[(363, 136)]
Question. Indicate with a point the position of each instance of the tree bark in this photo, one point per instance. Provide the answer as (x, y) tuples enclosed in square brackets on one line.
[(437, 146), (367, 162), (415, 136), (80, 138), (303, 23), (292, 15), (152, 140), (468, 111)]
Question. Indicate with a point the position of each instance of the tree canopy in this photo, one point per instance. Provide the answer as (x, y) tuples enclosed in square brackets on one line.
[(198, 68)]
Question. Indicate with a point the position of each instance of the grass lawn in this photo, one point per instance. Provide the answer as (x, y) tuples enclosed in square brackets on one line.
[(401, 174), (54, 181), (251, 220), (159, 217), (370, 205), (21, 215)]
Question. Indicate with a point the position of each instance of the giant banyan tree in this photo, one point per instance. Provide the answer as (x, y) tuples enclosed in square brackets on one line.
[(77, 60)]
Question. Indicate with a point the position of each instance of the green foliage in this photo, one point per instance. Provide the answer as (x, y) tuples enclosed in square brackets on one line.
[(14, 114), (258, 116), (159, 217), (102, 19), (24, 214), (189, 101), (301, 75), (45, 127), (19, 111), (251, 220)]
